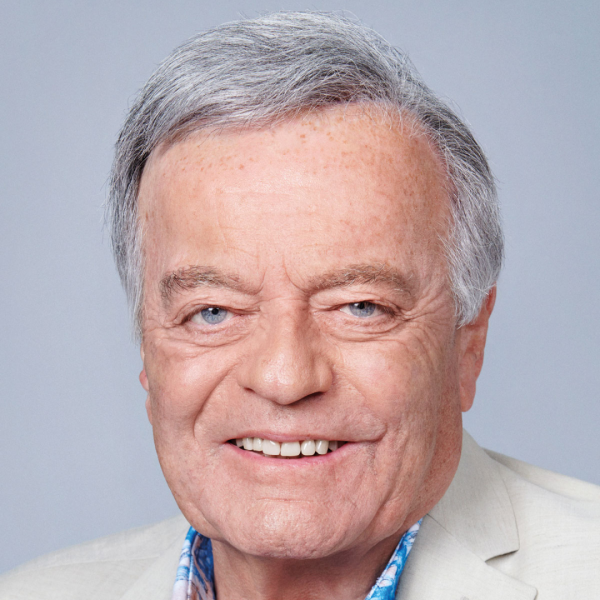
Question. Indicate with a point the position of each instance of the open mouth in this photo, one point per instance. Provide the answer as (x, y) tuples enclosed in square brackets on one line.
[(298, 449)]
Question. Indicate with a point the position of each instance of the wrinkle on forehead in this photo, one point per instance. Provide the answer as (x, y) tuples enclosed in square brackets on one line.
[(379, 114), (234, 149), (288, 175)]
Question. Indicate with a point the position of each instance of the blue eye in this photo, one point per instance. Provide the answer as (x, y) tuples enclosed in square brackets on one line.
[(213, 315), (362, 309)]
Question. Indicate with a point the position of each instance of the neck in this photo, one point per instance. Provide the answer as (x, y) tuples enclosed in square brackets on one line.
[(345, 576)]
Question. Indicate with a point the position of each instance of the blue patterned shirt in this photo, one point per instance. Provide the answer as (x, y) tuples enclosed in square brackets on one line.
[(195, 574)]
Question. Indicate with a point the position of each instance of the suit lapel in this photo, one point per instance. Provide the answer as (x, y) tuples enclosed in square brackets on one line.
[(440, 568), (471, 524)]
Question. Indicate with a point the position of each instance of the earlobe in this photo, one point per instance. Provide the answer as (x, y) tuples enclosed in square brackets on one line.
[(474, 337)]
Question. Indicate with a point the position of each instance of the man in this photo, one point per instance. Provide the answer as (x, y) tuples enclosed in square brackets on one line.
[(310, 242)]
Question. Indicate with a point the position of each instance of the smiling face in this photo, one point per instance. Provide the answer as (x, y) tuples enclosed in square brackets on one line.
[(296, 289)]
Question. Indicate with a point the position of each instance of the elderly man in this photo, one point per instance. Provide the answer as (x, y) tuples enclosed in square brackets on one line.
[(310, 242)]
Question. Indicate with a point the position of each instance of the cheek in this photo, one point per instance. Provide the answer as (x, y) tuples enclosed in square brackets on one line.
[(180, 382), (399, 381)]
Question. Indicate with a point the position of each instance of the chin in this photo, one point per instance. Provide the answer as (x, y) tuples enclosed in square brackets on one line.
[(288, 530)]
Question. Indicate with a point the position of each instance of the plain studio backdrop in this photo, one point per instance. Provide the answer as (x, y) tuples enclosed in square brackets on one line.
[(77, 457)]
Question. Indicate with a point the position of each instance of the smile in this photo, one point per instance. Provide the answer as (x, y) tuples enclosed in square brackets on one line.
[(286, 449)]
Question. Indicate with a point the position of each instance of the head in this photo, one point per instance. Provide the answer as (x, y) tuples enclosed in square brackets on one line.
[(309, 241)]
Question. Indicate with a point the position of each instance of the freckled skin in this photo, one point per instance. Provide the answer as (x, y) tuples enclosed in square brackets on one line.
[(276, 208)]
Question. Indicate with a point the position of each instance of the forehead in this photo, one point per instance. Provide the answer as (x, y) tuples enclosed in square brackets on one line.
[(345, 185)]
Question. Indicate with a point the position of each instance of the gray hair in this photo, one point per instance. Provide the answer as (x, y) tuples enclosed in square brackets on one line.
[(260, 72)]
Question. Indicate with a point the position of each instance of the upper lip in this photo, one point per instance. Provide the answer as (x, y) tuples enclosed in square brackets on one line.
[(289, 437)]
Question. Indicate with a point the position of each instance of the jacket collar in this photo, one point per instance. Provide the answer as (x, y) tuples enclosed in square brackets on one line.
[(156, 582), (472, 523)]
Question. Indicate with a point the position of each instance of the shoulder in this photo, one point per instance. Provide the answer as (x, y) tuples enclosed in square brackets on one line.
[(550, 481), (108, 565), (541, 496), (558, 521)]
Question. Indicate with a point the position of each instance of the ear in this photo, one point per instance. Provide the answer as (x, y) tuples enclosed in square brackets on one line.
[(144, 379), (472, 344), (144, 382), (143, 376), (149, 409)]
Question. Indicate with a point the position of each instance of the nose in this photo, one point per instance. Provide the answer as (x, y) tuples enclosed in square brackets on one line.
[(286, 362)]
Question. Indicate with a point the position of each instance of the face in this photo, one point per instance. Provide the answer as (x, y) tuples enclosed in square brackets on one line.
[(296, 290)]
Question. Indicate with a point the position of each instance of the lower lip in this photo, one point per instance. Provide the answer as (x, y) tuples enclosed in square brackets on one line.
[(295, 462)]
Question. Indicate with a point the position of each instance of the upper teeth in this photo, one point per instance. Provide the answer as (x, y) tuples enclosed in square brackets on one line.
[(271, 448)]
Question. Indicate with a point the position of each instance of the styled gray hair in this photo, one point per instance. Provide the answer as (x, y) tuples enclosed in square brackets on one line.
[(259, 72)]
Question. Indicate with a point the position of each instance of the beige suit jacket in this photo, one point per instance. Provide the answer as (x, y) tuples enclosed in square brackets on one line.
[(504, 530)]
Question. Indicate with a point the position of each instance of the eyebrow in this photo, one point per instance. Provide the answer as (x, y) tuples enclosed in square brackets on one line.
[(364, 274), (195, 276)]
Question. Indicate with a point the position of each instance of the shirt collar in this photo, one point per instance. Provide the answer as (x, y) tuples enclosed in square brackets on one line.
[(195, 574)]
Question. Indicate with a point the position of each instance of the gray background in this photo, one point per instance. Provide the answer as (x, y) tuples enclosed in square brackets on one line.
[(77, 458)]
